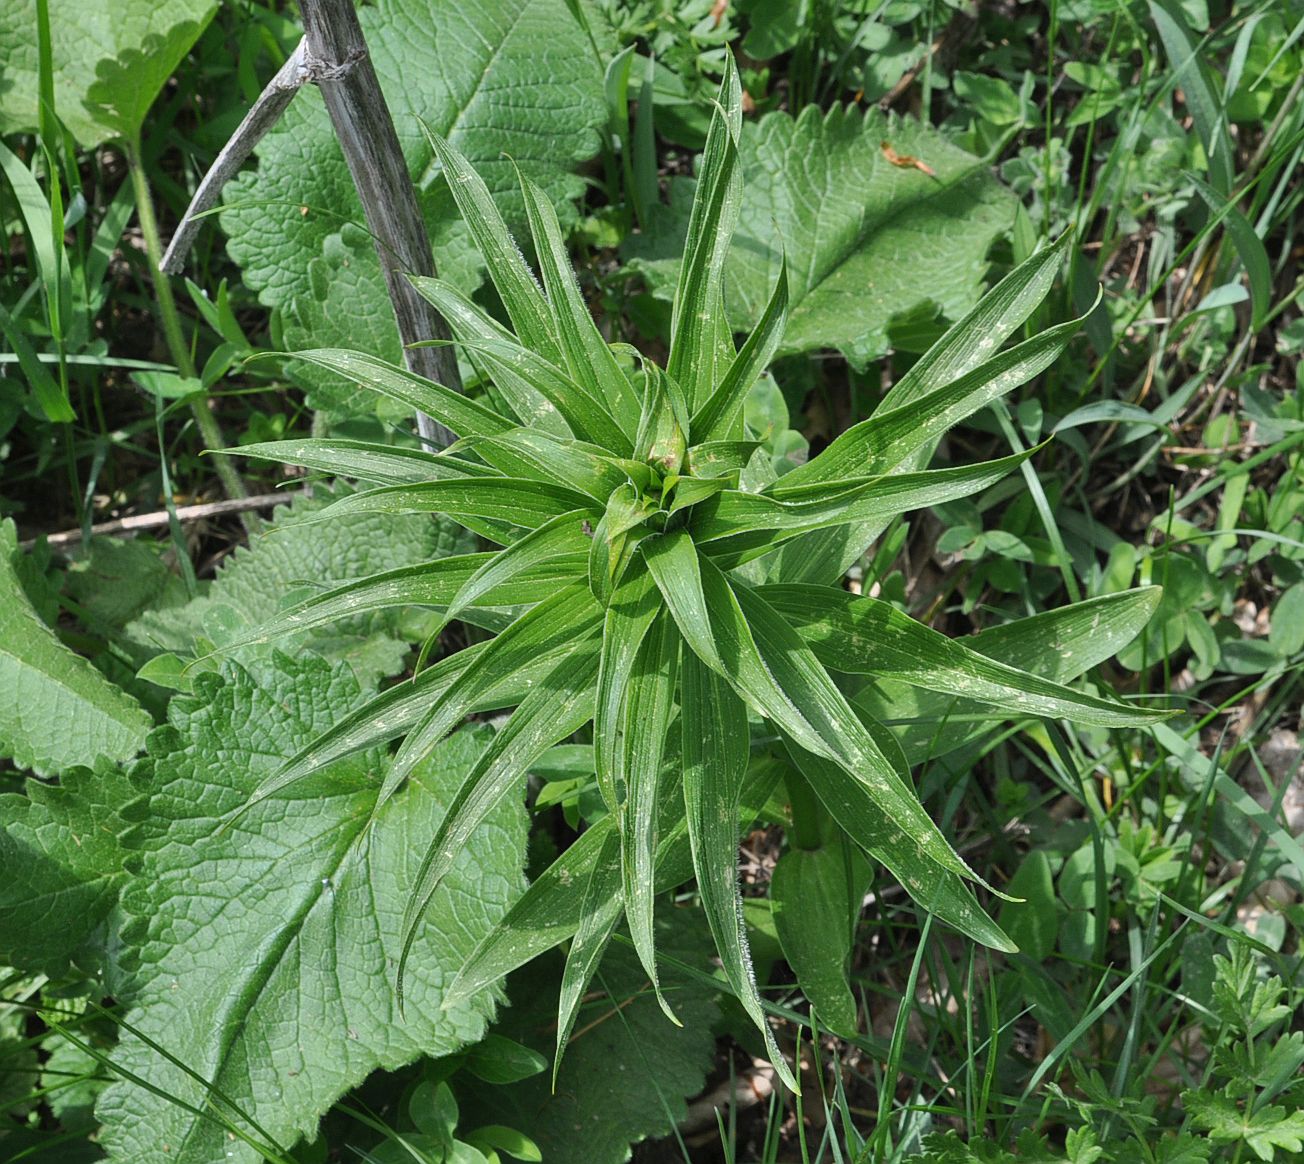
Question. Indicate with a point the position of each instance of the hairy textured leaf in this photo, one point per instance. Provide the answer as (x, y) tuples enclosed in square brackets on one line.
[(110, 59), (295, 555), (61, 847), (263, 957), (507, 82), (56, 710), (866, 240)]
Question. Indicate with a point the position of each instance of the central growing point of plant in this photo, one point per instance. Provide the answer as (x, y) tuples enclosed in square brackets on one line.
[(654, 579)]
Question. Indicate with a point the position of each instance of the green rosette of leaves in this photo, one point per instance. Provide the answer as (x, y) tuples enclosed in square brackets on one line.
[(653, 582)]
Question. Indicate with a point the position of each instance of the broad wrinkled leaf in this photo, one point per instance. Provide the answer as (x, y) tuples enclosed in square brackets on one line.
[(510, 83), (867, 240), (111, 60), (258, 588), (62, 850), (56, 710), (257, 956)]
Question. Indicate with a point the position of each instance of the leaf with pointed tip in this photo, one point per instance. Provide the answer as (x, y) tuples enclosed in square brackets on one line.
[(569, 615), (863, 636), (587, 356), (740, 637), (479, 503), (867, 241), (889, 439), (526, 452), (599, 915), (634, 604), (825, 555), (645, 717), (561, 540), (463, 416), (433, 583), (396, 710), (513, 279), (549, 912), (534, 386), (1057, 644), (933, 885), (700, 342), (509, 83), (363, 460), (717, 418), (745, 523), (715, 749), (559, 705)]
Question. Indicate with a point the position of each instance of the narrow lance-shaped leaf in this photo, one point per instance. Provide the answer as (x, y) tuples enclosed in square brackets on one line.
[(559, 705), (739, 636), (931, 884), (571, 613), (433, 583), (889, 439), (715, 749), (634, 604), (718, 417), (738, 522), (588, 357), (550, 912), (527, 452), (825, 555), (599, 914), (976, 337), (562, 539), (861, 635), (395, 711), (459, 413), (699, 334), (521, 295), (513, 364), (646, 714), (475, 502), (363, 460)]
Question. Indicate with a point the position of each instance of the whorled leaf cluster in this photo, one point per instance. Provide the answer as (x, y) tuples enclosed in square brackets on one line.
[(651, 580)]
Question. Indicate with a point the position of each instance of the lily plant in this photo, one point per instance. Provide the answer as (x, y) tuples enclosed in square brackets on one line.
[(656, 590)]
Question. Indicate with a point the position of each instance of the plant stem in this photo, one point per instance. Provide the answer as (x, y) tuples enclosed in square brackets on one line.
[(209, 431)]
